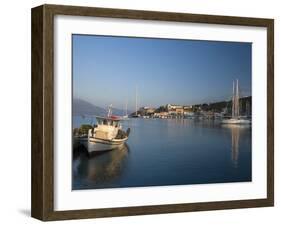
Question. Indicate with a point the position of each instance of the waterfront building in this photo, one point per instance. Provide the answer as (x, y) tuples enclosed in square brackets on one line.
[(147, 111), (175, 110), (171, 107), (161, 115)]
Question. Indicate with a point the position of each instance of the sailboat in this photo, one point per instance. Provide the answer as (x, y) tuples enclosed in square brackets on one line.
[(236, 118)]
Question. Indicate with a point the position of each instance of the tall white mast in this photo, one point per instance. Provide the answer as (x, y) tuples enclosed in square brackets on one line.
[(237, 98), (233, 100), (136, 101)]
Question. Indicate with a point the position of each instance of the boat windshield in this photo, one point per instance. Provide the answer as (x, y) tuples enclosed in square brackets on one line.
[(108, 122)]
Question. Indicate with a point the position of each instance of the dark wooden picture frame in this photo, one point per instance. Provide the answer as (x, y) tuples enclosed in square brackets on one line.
[(42, 203)]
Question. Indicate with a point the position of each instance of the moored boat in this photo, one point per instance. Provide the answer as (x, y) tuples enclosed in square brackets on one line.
[(236, 117), (236, 121), (107, 134)]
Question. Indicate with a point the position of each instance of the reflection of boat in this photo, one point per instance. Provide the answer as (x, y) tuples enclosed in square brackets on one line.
[(235, 135), (107, 165), (101, 168), (235, 129), (236, 118)]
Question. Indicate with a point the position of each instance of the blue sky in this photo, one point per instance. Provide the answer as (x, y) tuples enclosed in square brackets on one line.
[(107, 70)]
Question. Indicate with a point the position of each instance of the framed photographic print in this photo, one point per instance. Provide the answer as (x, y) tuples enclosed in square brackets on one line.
[(141, 112)]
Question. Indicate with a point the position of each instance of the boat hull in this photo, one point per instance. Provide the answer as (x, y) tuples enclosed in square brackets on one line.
[(96, 145), (236, 121)]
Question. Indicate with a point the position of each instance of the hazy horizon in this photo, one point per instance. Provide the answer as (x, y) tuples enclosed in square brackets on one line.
[(107, 70), (133, 109)]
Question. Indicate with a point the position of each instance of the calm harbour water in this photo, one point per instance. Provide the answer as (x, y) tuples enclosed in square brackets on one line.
[(168, 152)]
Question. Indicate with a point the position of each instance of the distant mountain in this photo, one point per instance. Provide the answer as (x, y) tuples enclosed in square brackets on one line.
[(82, 107)]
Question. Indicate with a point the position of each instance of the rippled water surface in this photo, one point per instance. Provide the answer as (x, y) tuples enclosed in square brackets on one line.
[(167, 152)]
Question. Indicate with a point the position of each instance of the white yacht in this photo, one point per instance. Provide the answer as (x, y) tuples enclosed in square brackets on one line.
[(236, 118)]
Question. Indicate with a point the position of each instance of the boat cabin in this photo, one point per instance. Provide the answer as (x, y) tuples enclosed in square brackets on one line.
[(106, 128), (111, 121)]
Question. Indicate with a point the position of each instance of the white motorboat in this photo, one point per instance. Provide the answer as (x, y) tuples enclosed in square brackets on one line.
[(107, 134), (236, 118)]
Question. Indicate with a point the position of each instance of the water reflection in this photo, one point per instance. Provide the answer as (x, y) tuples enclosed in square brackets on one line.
[(99, 168), (169, 152), (236, 131)]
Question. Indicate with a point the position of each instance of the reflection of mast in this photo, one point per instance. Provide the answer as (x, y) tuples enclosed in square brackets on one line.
[(235, 134)]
